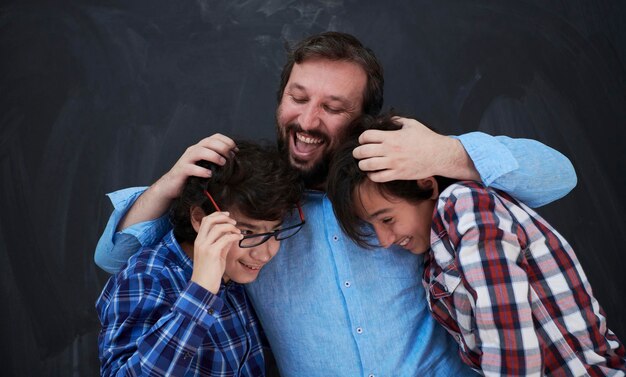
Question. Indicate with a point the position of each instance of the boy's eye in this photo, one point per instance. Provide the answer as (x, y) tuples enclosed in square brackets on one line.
[(298, 100), (246, 232), (387, 220)]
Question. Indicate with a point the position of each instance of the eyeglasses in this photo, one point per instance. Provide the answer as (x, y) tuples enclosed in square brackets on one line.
[(252, 240)]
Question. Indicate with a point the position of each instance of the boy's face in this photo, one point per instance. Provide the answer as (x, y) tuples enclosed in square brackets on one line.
[(396, 221), (243, 264)]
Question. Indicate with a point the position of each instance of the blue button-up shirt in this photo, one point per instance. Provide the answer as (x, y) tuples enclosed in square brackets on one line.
[(330, 308)]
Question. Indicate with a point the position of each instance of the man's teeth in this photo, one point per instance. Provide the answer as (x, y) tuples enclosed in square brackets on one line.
[(308, 140)]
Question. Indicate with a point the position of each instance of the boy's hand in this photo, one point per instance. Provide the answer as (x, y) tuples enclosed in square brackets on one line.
[(216, 235)]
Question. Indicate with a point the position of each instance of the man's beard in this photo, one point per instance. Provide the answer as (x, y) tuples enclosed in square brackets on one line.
[(314, 176)]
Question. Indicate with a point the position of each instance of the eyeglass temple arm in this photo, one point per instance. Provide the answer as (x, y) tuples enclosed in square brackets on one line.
[(212, 201), (301, 212)]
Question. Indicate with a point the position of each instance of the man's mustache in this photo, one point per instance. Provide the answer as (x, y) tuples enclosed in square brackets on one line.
[(295, 127)]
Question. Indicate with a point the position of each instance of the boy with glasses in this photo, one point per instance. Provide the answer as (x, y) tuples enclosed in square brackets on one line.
[(179, 307)]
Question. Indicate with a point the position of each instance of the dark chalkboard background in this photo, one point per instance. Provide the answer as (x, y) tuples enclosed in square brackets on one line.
[(99, 95)]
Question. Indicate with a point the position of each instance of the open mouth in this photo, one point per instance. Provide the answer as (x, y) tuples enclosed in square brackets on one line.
[(305, 145), (251, 267), (404, 241)]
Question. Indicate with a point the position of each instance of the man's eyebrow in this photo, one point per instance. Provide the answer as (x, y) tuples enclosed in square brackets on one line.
[(343, 100), (295, 85)]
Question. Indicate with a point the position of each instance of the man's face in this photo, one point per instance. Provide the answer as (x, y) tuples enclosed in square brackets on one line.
[(319, 101)]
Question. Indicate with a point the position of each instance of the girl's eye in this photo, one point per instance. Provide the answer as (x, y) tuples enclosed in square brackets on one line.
[(387, 220)]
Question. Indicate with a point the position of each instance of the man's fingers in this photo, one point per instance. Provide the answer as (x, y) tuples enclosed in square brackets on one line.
[(196, 171), (372, 136), (220, 144), (381, 176), (368, 151), (374, 164)]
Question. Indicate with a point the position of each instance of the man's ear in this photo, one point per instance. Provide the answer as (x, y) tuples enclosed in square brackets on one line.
[(429, 183), (196, 214)]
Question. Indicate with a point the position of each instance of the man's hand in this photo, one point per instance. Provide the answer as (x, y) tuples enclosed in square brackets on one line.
[(215, 148), (155, 201), (216, 235), (412, 152)]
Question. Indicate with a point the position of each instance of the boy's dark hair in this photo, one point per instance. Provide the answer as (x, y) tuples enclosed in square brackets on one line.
[(340, 46), (258, 182), (345, 178)]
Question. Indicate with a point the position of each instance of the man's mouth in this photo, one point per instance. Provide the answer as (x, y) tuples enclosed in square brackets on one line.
[(305, 144), (301, 136)]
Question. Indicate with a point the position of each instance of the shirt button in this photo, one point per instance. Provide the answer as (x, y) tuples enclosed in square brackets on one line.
[(210, 311), (335, 238), (371, 375), (359, 330), (347, 284)]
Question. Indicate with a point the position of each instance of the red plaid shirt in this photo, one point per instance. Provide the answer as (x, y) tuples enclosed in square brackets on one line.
[(510, 289)]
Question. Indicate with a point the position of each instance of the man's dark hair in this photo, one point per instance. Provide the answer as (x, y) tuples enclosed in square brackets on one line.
[(340, 46), (258, 182), (345, 178)]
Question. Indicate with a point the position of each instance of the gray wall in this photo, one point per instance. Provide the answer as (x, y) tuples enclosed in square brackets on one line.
[(99, 95)]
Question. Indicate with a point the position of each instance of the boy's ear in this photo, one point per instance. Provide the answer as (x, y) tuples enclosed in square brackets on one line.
[(196, 214), (429, 183)]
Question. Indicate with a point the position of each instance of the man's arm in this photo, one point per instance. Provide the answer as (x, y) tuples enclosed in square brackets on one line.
[(139, 217), (156, 200), (526, 169)]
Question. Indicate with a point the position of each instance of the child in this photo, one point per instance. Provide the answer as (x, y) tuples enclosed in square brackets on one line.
[(166, 315), (498, 277)]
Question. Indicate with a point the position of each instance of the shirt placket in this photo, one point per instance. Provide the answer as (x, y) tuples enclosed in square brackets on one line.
[(349, 289)]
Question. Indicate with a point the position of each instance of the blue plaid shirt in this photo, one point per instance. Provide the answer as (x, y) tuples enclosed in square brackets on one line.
[(156, 322)]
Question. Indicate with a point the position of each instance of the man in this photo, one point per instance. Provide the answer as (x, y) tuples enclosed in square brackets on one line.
[(328, 307)]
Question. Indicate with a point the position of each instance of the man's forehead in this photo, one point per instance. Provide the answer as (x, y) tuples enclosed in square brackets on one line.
[(342, 74)]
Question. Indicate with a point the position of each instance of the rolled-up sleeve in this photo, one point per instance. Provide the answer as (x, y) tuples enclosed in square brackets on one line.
[(526, 169), (114, 248)]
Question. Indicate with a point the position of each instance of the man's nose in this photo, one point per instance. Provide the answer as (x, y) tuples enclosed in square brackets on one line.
[(309, 118)]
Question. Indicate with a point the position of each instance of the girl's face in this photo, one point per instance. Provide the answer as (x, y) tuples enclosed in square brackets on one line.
[(397, 221)]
